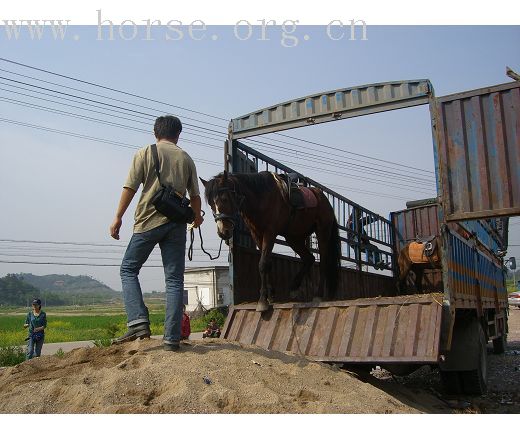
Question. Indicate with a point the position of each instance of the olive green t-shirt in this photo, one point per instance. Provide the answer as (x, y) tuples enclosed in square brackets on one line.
[(177, 169)]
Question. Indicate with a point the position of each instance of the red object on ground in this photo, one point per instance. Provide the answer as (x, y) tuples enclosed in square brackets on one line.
[(185, 326)]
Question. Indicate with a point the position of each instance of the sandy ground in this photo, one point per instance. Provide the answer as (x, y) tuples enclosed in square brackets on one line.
[(140, 377), (220, 377)]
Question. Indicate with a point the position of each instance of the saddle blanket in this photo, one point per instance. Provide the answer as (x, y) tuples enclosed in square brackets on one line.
[(416, 253), (297, 196), (309, 199)]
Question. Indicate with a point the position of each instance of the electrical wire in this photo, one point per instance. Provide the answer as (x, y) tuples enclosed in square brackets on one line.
[(194, 111), (271, 148)]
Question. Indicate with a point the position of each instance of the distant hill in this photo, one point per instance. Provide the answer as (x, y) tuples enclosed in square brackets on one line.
[(53, 290), (15, 292), (74, 285)]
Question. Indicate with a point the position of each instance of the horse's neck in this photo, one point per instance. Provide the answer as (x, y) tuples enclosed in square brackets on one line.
[(253, 206)]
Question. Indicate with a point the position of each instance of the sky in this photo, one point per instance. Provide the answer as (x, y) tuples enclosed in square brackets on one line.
[(61, 188)]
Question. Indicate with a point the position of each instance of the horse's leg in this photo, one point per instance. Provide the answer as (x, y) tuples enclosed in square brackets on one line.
[(404, 269), (264, 267), (298, 245), (419, 272)]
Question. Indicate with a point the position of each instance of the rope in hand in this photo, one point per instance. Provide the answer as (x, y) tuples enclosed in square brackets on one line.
[(192, 239)]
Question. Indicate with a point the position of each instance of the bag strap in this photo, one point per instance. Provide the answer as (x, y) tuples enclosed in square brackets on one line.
[(155, 156)]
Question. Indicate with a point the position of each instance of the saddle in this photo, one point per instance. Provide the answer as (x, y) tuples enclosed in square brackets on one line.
[(298, 196), (422, 250)]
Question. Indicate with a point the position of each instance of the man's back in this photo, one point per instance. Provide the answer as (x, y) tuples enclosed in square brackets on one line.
[(176, 168)]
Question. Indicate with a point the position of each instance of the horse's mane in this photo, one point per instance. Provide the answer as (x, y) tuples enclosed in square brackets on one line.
[(258, 183)]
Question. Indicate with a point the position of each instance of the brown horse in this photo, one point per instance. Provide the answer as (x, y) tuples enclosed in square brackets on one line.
[(414, 258), (266, 211)]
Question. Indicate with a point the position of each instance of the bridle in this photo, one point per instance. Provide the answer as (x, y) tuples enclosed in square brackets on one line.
[(237, 205)]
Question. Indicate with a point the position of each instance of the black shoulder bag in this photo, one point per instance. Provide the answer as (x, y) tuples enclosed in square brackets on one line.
[(169, 202)]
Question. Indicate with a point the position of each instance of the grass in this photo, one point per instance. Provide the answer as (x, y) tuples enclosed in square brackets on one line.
[(59, 353), (63, 326), (67, 324), (72, 328), (11, 356)]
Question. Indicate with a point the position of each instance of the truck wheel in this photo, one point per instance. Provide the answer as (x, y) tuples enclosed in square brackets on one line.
[(500, 344), (451, 382), (475, 381)]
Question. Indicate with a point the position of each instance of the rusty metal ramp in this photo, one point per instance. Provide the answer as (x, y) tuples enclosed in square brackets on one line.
[(366, 330)]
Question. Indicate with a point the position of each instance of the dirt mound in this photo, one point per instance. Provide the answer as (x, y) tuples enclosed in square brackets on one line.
[(139, 377)]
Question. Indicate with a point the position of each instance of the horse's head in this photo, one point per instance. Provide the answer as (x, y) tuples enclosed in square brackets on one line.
[(221, 195)]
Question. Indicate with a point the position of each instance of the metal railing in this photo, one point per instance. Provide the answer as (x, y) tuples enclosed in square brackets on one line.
[(366, 237)]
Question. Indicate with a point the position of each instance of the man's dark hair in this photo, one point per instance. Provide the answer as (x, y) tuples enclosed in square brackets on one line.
[(167, 127)]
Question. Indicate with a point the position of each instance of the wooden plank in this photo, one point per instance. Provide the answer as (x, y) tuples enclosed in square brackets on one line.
[(401, 321), (346, 339), (310, 325), (229, 322), (424, 298), (338, 332), (436, 333), (329, 322), (368, 335), (235, 329), (286, 331), (389, 331), (252, 330), (411, 329), (423, 330), (269, 329), (377, 343), (433, 328)]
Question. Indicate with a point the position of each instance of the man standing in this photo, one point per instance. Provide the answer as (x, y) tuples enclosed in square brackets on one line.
[(150, 228)]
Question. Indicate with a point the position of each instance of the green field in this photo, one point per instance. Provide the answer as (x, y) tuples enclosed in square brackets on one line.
[(65, 324)]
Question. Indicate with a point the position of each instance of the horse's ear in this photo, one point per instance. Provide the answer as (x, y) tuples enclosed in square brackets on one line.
[(204, 182), (225, 175)]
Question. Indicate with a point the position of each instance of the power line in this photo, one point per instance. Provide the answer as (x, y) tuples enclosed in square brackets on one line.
[(97, 94), (68, 264), (48, 263), (61, 242), (92, 138), (371, 170), (101, 121), (129, 146), (88, 258), (197, 112), (78, 249), (75, 243), (109, 88), (357, 154)]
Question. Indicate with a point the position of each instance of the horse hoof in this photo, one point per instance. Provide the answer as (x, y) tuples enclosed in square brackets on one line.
[(262, 306)]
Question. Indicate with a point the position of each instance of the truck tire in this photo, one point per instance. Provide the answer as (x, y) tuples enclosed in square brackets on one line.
[(500, 344), (475, 381), (451, 382)]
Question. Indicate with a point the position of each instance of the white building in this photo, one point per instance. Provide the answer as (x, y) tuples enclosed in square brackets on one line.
[(210, 285)]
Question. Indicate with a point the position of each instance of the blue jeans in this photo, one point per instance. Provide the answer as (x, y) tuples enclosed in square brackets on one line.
[(171, 238), (34, 348)]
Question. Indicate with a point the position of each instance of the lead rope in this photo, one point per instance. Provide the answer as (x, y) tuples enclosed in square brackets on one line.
[(192, 239)]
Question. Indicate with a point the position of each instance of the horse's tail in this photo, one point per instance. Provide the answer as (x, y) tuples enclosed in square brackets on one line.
[(333, 258)]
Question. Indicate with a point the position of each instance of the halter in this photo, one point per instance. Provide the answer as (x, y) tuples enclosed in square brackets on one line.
[(230, 218)]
